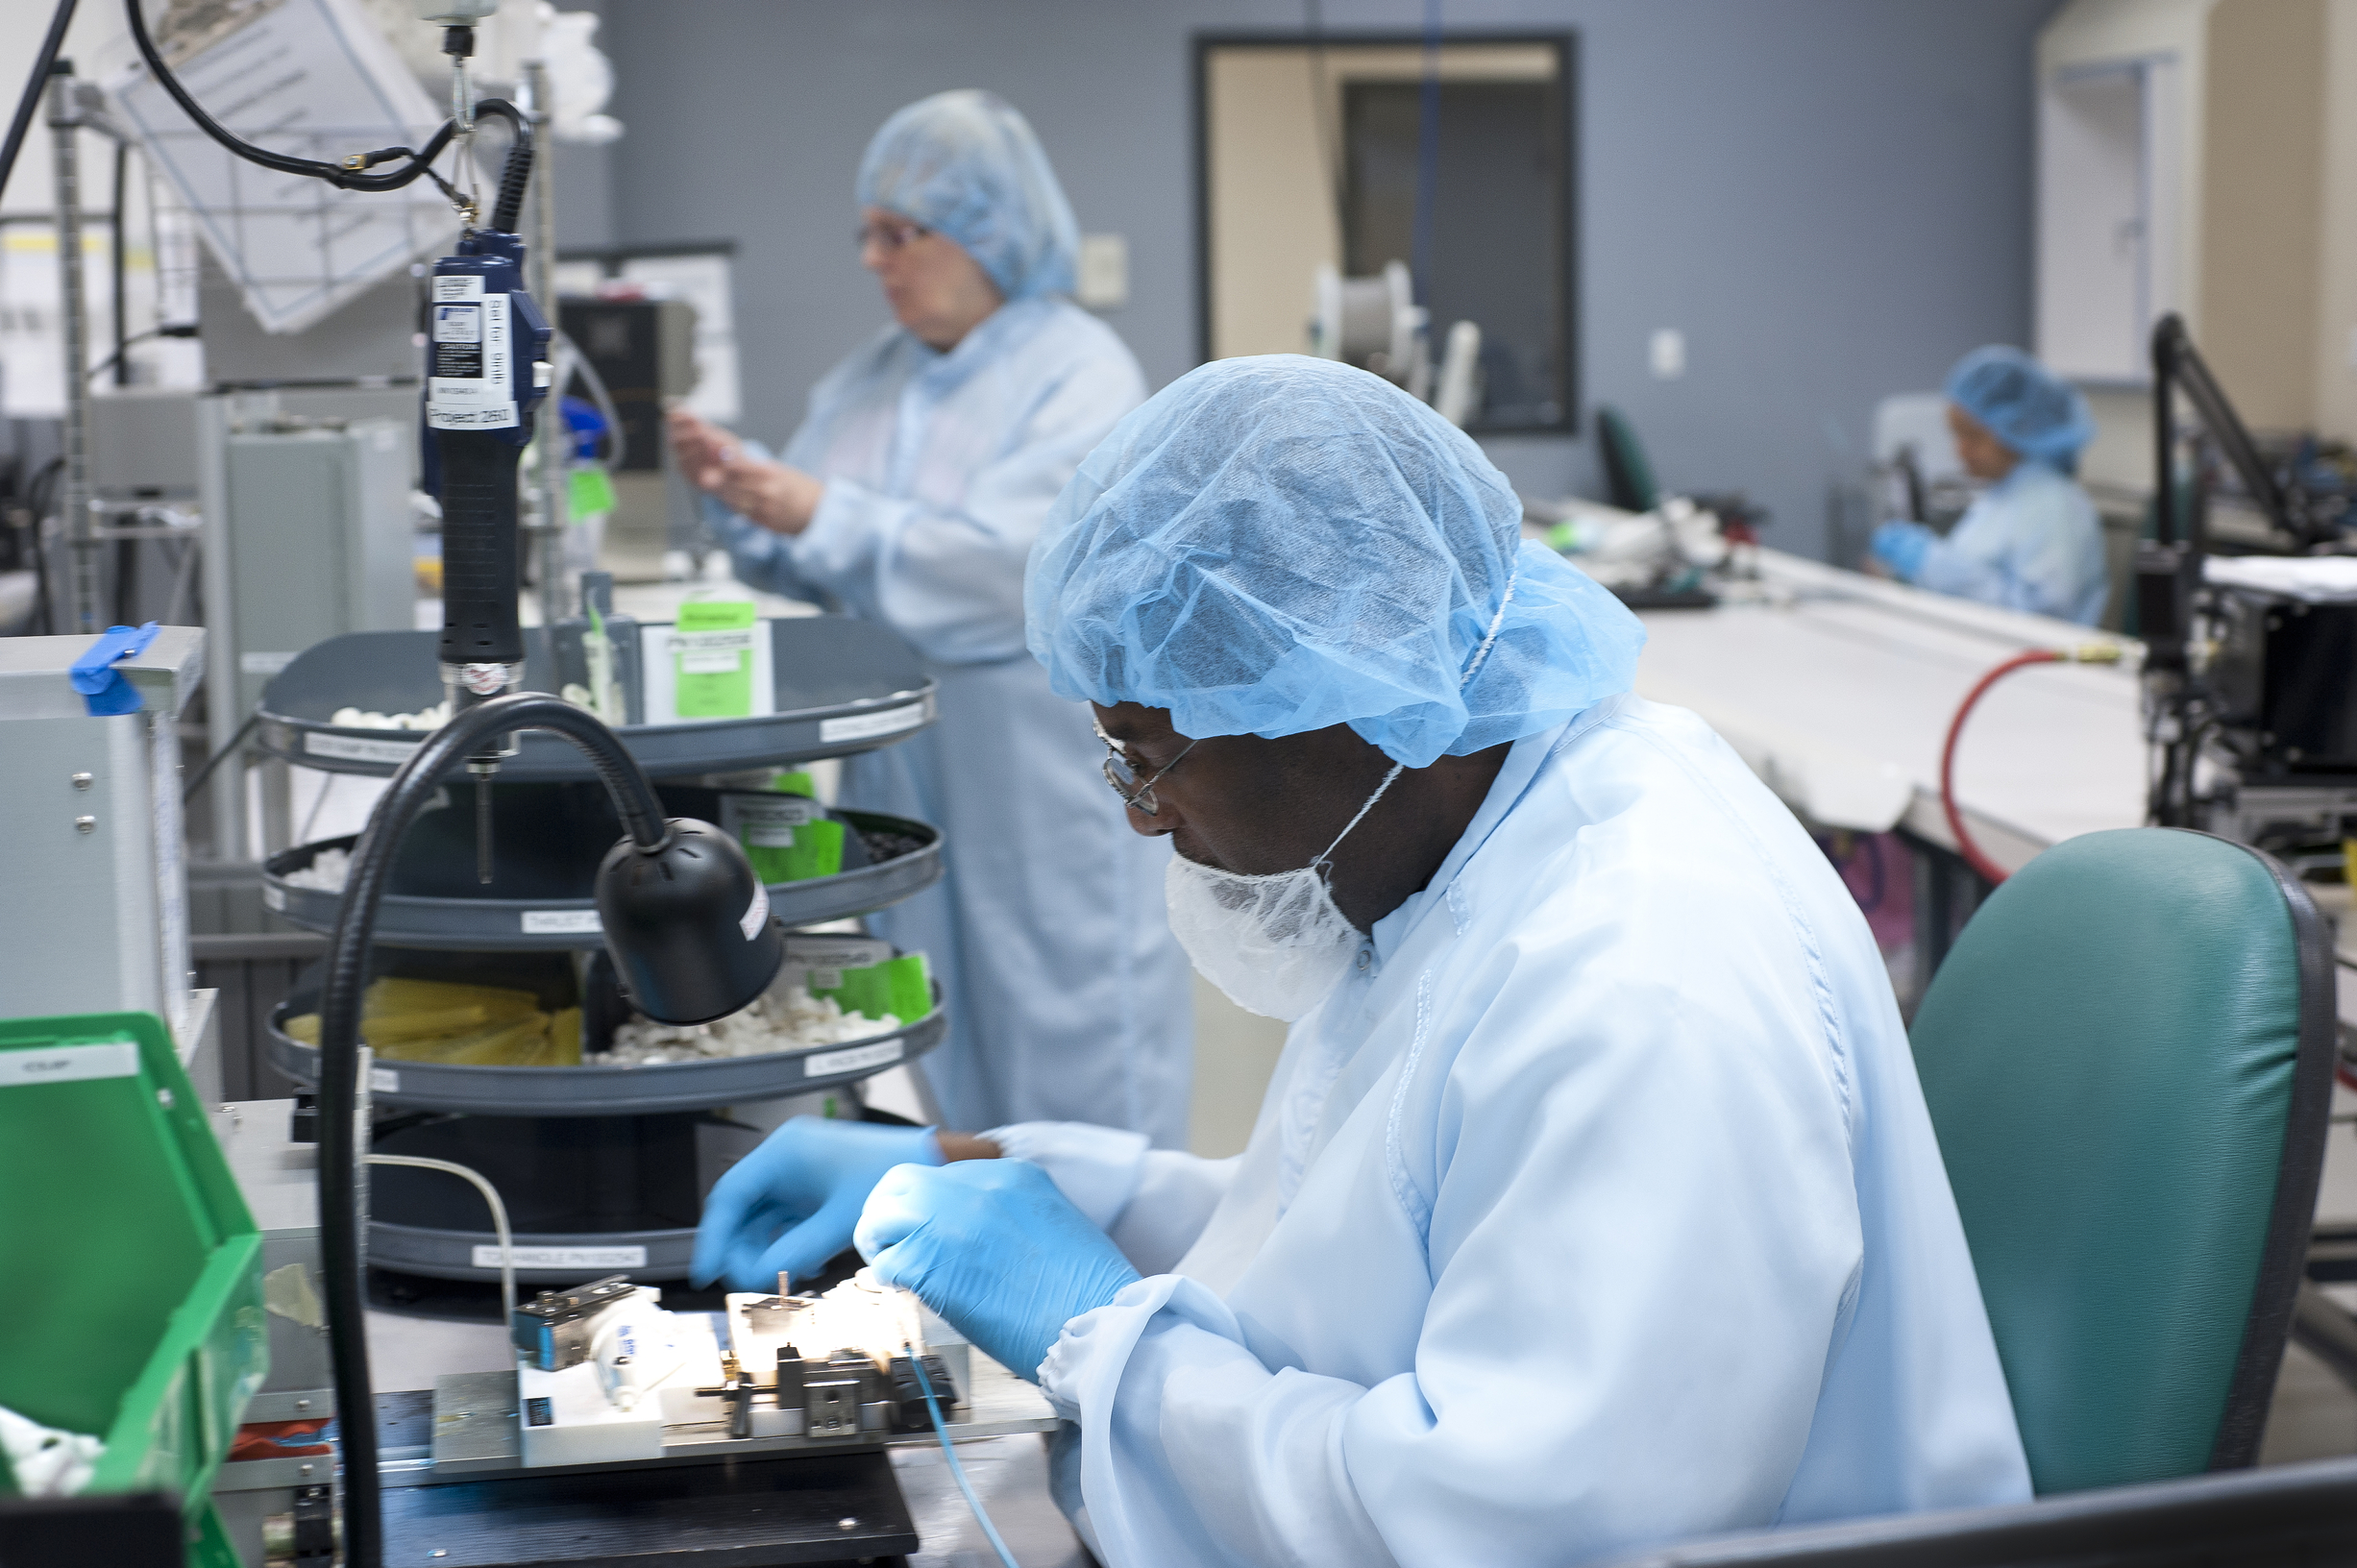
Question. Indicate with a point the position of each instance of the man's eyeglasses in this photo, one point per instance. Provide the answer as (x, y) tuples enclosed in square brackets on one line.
[(1136, 793), (889, 238)]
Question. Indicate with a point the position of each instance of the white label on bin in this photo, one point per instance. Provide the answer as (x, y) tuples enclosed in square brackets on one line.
[(273, 898), (383, 1080), (867, 726), (756, 914), (254, 663), (64, 1063), (585, 1257), (353, 748), (561, 922), (826, 1063)]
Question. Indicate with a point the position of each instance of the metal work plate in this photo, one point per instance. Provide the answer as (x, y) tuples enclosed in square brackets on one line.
[(475, 1434), (615, 1091), (462, 924), (799, 1510), (842, 685)]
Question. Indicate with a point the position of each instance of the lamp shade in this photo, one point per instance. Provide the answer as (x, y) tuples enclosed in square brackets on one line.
[(688, 924)]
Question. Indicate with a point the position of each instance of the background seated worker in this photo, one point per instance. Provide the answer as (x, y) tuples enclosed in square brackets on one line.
[(2031, 540), (910, 496), (1593, 1203)]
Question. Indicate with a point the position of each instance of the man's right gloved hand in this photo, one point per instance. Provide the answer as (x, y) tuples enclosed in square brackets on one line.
[(792, 1204)]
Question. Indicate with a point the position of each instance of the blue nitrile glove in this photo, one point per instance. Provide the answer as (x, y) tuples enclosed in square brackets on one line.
[(810, 1177), (994, 1248), (1902, 547)]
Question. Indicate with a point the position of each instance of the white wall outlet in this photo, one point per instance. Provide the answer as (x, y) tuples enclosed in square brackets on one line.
[(1103, 272), (1666, 353)]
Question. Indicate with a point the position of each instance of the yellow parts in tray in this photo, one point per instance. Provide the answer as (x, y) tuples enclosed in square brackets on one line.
[(444, 1021)]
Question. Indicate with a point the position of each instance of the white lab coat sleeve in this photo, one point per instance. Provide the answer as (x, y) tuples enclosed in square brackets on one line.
[(1152, 1203), (2022, 547), (950, 578), (1637, 1210)]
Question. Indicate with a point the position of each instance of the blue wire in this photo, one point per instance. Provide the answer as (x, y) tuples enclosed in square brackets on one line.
[(949, 1451)]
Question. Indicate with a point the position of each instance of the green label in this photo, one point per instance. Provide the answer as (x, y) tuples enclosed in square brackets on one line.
[(795, 783), (588, 493), (712, 646), (900, 987), (787, 837)]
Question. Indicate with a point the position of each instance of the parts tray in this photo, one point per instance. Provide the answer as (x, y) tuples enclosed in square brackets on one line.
[(547, 907), (592, 1090), (842, 685)]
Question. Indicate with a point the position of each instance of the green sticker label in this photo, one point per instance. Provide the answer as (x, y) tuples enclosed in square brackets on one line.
[(795, 783), (589, 492), (712, 646), (902, 987), (787, 837)]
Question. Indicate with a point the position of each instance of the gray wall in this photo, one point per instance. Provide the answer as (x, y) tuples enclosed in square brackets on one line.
[(1829, 198)]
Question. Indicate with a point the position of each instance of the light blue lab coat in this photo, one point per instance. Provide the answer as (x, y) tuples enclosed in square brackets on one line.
[(1068, 996), (1595, 1208), (2029, 542)]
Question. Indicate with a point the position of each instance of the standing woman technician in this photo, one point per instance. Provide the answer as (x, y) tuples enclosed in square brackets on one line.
[(911, 496)]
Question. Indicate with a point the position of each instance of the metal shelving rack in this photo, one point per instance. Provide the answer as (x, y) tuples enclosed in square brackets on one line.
[(598, 1164)]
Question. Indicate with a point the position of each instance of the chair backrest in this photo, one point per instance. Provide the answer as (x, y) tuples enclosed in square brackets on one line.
[(1627, 474), (2127, 1056)]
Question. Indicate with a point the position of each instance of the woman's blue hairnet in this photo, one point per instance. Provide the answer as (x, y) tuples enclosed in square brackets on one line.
[(2024, 404), (1274, 545), (966, 165)]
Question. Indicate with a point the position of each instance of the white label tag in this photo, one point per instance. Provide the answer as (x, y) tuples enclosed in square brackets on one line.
[(384, 1080), (768, 836), (263, 664), (853, 1058), (476, 389), (273, 898), (712, 652), (561, 922), (351, 749), (816, 979), (867, 726), (584, 1258), (756, 914), (67, 1063)]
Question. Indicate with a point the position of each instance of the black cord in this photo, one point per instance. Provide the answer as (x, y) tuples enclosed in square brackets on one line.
[(42, 64), (509, 211), (340, 1049), (343, 176), (178, 328), (188, 791), (37, 496), (115, 267)]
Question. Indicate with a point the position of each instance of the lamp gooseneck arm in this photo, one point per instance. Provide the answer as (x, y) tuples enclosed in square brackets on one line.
[(340, 1137)]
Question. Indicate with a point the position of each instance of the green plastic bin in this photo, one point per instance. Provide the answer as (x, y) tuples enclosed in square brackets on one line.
[(143, 1321)]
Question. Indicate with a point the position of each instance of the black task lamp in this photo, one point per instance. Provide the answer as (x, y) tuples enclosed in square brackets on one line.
[(686, 921)]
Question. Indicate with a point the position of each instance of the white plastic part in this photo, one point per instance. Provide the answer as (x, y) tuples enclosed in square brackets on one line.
[(1459, 397)]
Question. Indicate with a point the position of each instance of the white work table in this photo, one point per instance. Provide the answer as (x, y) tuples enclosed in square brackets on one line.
[(1837, 689)]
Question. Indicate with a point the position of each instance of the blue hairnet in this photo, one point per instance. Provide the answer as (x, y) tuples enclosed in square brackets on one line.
[(2024, 404), (966, 165), (1274, 545)]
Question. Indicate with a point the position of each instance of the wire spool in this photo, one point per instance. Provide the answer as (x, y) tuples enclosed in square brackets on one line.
[(1361, 318)]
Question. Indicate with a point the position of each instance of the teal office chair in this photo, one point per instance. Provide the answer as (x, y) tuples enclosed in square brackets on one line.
[(1628, 474), (2129, 1058)]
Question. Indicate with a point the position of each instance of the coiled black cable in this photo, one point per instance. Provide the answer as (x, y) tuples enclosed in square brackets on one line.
[(509, 211), (335, 174)]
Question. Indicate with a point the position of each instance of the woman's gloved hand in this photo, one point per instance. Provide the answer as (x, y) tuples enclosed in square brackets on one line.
[(994, 1248), (810, 1176), (1902, 547)]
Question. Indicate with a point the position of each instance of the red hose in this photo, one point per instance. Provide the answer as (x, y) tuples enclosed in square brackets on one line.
[(1989, 871)]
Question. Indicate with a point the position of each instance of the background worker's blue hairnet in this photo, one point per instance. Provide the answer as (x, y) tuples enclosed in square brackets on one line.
[(2024, 404), (1274, 545), (966, 165)]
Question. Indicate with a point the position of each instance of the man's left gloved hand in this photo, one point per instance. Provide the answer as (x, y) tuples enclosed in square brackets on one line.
[(995, 1249)]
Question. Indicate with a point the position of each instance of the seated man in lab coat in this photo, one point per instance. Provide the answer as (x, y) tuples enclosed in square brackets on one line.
[(1593, 1203)]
